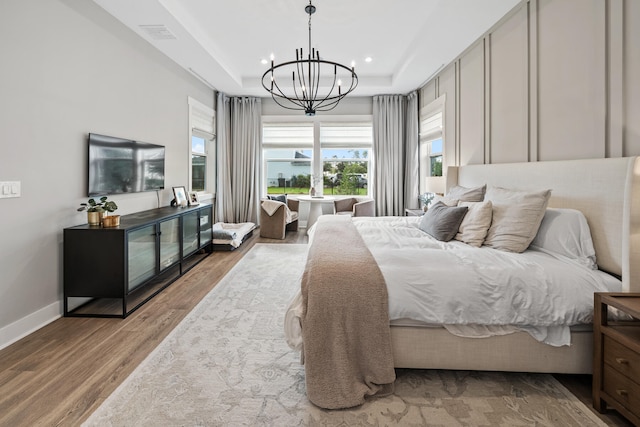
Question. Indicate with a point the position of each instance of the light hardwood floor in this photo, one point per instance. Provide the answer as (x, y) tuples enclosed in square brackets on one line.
[(61, 373)]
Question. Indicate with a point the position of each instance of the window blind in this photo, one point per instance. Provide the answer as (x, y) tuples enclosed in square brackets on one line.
[(431, 127), (346, 136), (202, 120), (287, 136)]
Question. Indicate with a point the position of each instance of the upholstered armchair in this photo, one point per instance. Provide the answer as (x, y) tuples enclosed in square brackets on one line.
[(355, 206), (277, 217)]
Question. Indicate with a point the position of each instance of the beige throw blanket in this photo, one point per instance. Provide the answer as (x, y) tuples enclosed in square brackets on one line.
[(271, 206), (345, 320)]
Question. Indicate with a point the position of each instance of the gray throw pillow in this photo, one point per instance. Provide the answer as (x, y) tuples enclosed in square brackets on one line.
[(442, 221)]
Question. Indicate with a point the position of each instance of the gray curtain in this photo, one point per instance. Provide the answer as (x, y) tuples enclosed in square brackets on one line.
[(389, 112), (238, 158), (412, 153)]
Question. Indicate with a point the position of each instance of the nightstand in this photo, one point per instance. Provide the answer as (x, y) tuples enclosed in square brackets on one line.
[(413, 212), (616, 355)]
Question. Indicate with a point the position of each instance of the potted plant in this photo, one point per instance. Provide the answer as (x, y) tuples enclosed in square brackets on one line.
[(425, 200), (109, 206), (96, 211)]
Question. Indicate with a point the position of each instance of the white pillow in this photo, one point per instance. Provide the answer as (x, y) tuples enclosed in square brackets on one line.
[(516, 217), (465, 194), (447, 201), (566, 232), (475, 224)]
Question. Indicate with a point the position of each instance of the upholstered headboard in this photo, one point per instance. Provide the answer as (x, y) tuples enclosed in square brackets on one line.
[(607, 191)]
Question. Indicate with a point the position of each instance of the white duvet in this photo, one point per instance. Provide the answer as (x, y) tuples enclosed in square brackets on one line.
[(474, 292)]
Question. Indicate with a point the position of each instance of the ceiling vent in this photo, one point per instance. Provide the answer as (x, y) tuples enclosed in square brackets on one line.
[(158, 32)]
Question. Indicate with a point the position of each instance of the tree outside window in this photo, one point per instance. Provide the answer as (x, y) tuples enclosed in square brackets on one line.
[(346, 171)]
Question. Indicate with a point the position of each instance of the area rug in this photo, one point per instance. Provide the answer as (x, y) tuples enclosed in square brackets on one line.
[(227, 364)]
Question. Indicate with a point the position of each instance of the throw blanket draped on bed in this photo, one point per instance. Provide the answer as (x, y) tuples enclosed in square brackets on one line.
[(345, 321)]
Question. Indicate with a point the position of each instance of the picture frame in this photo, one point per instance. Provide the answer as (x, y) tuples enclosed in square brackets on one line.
[(180, 196), (194, 199)]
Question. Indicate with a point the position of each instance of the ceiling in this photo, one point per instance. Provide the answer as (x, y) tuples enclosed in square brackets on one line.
[(222, 42)]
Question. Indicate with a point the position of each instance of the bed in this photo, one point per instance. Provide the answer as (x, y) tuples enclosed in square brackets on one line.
[(607, 192)]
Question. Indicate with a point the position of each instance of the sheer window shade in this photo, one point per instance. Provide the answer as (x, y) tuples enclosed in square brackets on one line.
[(346, 136), (202, 122), (295, 136), (431, 127)]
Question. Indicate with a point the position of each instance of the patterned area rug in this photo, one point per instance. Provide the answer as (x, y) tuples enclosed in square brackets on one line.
[(227, 364)]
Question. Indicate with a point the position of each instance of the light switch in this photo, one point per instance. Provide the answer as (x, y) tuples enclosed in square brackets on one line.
[(10, 189)]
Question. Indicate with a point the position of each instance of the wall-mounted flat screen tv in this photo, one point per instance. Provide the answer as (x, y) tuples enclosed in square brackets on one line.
[(118, 165)]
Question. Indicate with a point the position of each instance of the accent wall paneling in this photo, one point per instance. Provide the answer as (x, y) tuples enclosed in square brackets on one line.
[(447, 85), (571, 79), (508, 109), (428, 93), (472, 108), (631, 80), (553, 80)]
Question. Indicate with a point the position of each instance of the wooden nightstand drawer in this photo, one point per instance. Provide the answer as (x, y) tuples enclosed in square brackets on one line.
[(622, 389), (616, 355), (621, 358)]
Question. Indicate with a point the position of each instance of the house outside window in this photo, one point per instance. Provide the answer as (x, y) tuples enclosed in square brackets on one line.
[(287, 151)]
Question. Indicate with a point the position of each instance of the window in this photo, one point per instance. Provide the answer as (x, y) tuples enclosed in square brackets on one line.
[(287, 154), (198, 163), (202, 132), (345, 157), (332, 157), (431, 143), (434, 148)]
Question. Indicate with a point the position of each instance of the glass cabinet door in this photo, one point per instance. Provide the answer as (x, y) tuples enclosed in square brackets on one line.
[(189, 233), (169, 243), (206, 221), (142, 255)]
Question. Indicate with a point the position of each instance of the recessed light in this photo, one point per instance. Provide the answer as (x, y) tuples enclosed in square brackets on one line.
[(264, 61), (368, 59)]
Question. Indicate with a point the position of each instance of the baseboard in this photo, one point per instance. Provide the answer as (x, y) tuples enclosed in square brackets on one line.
[(29, 324)]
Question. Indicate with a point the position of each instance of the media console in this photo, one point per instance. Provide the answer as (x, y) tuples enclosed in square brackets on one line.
[(110, 272)]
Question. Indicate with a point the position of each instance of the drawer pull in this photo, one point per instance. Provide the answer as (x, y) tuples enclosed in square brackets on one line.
[(622, 361), (622, 393)]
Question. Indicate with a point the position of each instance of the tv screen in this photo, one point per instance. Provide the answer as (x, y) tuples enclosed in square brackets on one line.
[(118, 165)]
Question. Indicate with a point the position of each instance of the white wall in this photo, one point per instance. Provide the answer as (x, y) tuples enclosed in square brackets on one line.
[(69, 68), (553, 80), (351, 105)]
